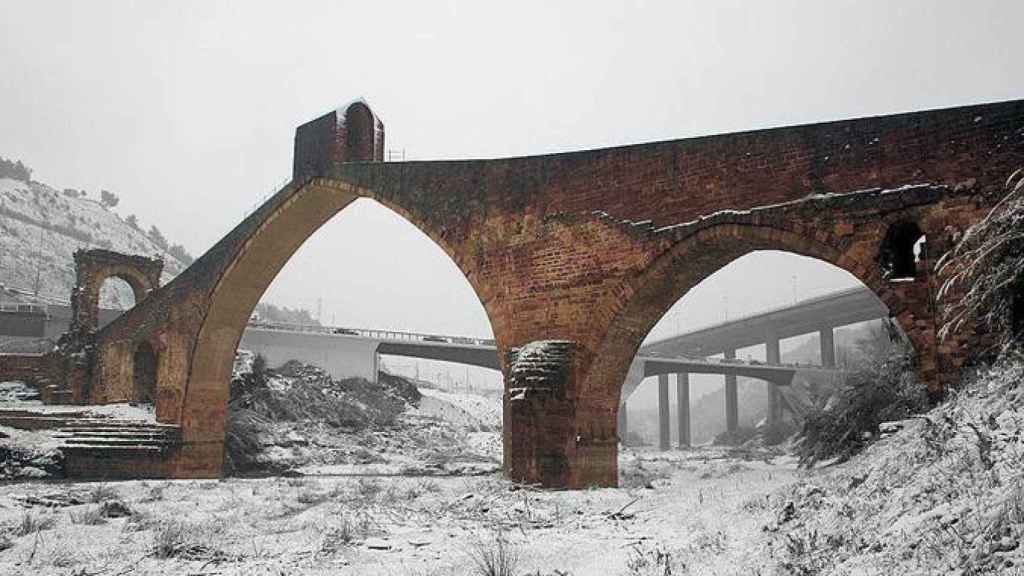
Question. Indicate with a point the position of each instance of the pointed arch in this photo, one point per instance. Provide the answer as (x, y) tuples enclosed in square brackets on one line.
[(689, 261), (277, 235)]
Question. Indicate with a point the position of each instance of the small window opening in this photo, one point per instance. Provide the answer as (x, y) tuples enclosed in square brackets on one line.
[(902, 250)]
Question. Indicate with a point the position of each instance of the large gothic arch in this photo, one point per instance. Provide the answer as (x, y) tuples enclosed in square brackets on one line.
[(247, 274)]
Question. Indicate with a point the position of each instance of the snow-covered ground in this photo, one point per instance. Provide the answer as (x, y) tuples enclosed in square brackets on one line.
[(468, 410), (943, 493), (705, 511)]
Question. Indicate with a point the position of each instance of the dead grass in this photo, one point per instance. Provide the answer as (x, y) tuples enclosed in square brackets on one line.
[(31, 523), (155, 493), (653, 561), (494, 557), (311, 497), (640, 478), (102, 493), (368, 488), (187, 540), (343, 534), (91, 516)]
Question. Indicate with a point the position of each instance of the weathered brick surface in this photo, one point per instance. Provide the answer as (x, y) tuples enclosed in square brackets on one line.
[(24, 367), (590, 248)]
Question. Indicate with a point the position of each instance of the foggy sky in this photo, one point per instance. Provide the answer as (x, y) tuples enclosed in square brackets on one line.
[(187, 110)]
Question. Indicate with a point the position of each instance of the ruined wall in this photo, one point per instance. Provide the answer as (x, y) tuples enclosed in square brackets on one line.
[(24, 367), (93, 267)]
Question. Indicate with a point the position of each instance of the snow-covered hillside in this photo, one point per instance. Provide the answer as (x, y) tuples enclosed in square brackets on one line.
[(42, 227)]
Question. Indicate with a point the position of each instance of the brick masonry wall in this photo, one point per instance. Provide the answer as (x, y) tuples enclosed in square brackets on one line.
[(25, 367)]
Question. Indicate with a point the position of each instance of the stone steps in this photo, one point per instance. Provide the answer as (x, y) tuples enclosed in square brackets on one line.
[(102, 447), (58, 395), (35, 421)]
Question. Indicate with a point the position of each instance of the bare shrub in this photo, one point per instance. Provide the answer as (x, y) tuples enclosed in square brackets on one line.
[(102, 493), (640, 477), (62, 557), (155, 493), (368, 488), (91, 516), (985, 272), (343, 534), (807, 552), (311, 497), (656, 561), (428, 486), (30, 524), (115, 509), (755, 504), (495, 557), (186, 540)]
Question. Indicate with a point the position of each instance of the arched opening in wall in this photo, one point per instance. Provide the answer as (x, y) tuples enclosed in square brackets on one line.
[(754, 346), (359, 133), (144, 371), (371, 331), (116, 296), (902, 249)]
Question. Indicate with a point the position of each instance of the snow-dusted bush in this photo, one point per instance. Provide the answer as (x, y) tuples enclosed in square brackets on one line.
[(882, 390), (988, 266)]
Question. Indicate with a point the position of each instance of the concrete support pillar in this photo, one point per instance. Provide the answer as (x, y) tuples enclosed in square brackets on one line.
[(683, 408), (664, 440), (634, 378), (773, 355), (623, 422), (828, 347), (732, 411)]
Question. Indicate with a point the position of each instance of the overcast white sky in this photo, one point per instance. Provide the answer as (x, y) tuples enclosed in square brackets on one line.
[(187, 109)]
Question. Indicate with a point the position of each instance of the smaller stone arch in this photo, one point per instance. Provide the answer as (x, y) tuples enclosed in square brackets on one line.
[(902, 248), (145, 367), (93, 267)]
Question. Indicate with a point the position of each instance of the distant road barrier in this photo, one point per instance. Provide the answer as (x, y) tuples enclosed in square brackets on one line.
[(375, 334)]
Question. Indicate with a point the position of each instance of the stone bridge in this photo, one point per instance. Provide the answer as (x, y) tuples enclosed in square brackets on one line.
[(576, 256)]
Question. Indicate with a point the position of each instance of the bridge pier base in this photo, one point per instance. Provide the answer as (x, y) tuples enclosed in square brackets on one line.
[(551, 436)]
